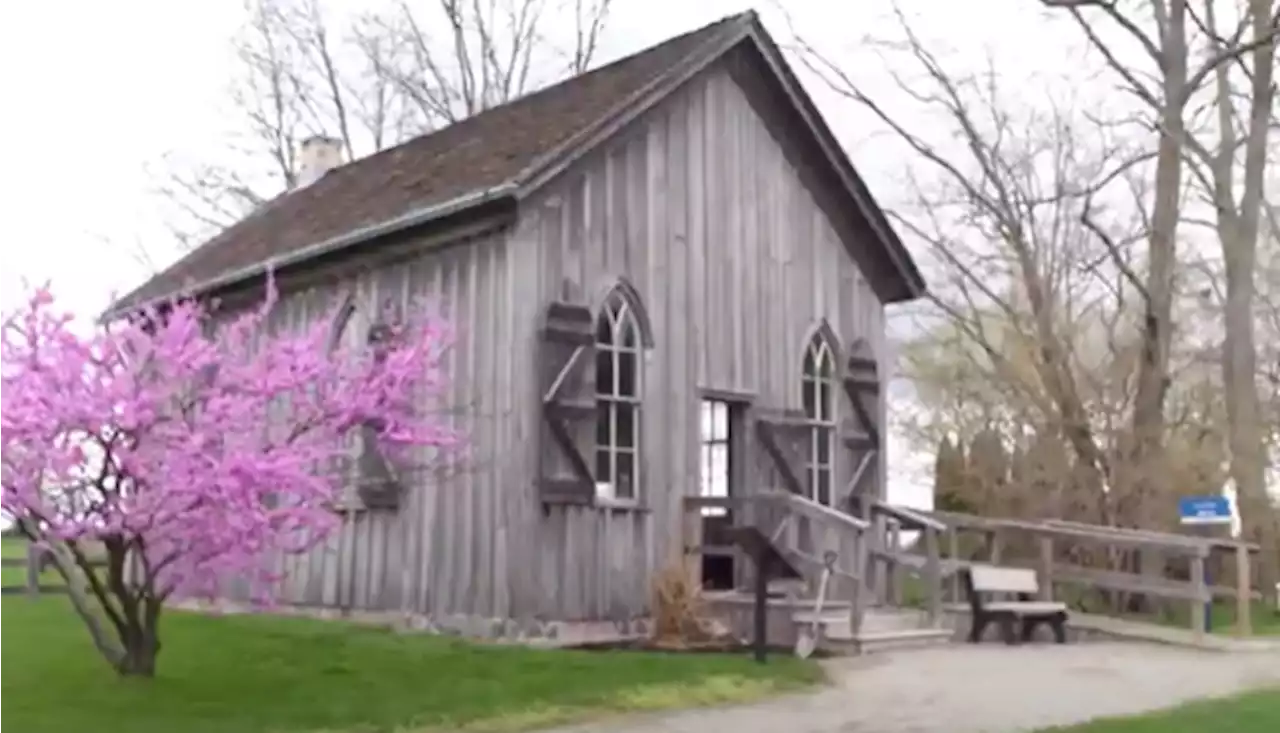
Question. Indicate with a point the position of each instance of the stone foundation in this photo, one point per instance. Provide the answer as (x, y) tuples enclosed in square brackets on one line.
[(532, 632)]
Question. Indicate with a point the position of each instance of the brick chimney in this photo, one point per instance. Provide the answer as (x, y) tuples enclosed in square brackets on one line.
[(317, 155)]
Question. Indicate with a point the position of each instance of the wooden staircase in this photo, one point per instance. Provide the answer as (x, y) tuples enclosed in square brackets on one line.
[(882, 630), (792, 611)]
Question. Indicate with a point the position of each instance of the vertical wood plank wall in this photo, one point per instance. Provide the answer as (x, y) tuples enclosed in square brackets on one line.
[(704, 213), (445, 549), (701, 209)]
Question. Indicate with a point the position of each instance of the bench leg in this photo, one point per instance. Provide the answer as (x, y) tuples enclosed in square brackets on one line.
[(1008, 630), (1059, 625), (975, 630), (1029, 628)]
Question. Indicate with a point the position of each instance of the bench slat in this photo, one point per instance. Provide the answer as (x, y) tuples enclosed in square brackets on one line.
[(1027, 608), (995, 579)]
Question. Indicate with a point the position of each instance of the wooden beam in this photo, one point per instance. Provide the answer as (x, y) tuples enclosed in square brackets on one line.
[(766, 434)]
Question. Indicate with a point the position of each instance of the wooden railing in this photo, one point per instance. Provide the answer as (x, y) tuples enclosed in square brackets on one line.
[(1056, 548), (893, 563), (805, 532), (39, 577)]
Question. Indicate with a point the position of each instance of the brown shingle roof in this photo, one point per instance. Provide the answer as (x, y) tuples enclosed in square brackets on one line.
[(484, 151)]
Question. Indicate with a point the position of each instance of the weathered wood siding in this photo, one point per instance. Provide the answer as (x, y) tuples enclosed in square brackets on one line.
[(704, 211), (446, 548)]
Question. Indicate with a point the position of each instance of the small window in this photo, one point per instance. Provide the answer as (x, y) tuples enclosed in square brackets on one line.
[(714, 454), (618, 358), (818, 389)]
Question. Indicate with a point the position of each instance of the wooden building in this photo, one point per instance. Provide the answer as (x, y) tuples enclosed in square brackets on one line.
[(659, 272)]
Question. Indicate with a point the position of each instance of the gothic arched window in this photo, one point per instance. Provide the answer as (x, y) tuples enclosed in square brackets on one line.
[(619, 345), (818, 390)]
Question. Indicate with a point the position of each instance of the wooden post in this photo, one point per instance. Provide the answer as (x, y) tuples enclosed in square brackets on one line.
[(760, 641), (875, 574), (896, 574), (953, 553), (933, 575), (1046, 568), (690, 535), (1244, 624), (1198, 618), (859, 593)]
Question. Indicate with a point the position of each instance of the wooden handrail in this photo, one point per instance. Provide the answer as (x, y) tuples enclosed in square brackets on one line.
[(908, 518), (1078, 532), (807, 507)]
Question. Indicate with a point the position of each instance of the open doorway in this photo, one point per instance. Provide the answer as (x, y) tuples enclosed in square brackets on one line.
[(720, 422)]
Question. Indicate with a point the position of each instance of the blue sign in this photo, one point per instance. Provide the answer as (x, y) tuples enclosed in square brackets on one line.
[(1204, 510)]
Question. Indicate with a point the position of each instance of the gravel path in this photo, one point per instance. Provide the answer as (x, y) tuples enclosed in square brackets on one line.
[(987, 689)]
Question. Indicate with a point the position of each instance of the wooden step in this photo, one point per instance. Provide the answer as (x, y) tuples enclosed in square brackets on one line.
[(866, 642), (893, 619), (832, 615)]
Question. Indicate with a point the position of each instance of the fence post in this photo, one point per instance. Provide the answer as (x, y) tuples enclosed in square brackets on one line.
[(33, 569), (1244, 586), (1198, 617), (953, 552), (1046, 568), (933, 574)]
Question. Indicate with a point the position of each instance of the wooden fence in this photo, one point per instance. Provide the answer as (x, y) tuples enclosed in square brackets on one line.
[(1124, 563), (39, 576)]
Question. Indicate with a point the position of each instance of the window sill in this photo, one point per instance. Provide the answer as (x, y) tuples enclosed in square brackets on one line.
[(620, 505)]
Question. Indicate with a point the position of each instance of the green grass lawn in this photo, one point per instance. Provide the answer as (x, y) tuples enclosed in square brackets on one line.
[(251, 674), (1222, 619), (1253, 712)]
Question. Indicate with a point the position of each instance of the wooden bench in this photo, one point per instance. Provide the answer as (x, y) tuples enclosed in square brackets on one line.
[(981, 581)]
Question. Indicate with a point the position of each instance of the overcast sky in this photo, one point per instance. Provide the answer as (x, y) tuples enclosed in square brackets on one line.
[(95, 93)]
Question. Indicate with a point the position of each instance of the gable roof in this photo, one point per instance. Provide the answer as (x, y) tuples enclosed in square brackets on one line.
[(482, 158)]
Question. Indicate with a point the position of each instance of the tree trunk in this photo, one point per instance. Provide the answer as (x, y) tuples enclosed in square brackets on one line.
[(1238, 230), (140, 652)]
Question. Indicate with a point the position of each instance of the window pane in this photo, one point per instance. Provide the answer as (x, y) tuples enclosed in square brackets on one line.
[(604, 330), (628, 386), (824, 485), (630, 334), (604, 436), (824, 400), (718, 467), (810, 396), (822, 452), (626, 425), (810, 364), (604, 372), (706, 420), (626, 478), (720, 426), (826, 363), (603, 469)]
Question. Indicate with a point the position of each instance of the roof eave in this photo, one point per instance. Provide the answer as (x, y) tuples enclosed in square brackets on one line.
[(415, 218)]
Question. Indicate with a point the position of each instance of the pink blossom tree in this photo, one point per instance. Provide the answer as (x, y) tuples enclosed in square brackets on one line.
[(191, 448)]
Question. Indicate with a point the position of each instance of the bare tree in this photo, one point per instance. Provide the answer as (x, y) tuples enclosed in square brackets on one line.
[(1191, 58), (372, 81), (1036, 264)]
